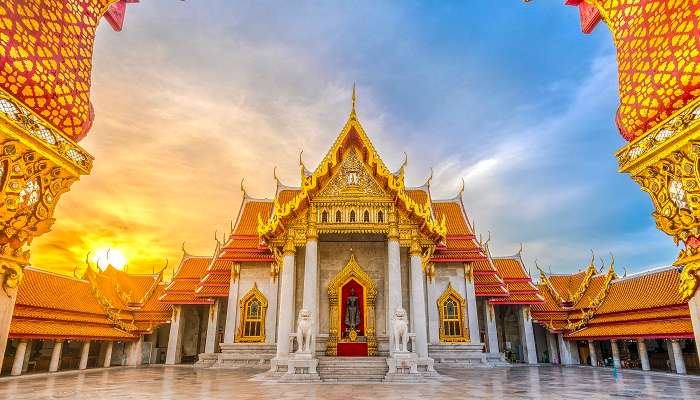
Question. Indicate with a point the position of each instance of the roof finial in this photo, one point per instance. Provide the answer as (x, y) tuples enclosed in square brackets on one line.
[(274, 175), (353, 98), (430, 178), (245, 194), (184, 251), (461, 189), (520, 251)]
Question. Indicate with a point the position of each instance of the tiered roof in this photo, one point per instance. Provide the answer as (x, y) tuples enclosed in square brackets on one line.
[(51, 306), (201, 279), (593, 305)]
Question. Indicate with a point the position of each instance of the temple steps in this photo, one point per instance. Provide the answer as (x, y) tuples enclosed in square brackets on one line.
[(463, 355), (352, 369)]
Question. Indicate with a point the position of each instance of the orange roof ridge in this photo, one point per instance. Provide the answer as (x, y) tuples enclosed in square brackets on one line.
[(56, 274), (652, 271)]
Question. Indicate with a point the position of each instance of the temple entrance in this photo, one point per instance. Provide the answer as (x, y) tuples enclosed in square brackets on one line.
[(352, 295)]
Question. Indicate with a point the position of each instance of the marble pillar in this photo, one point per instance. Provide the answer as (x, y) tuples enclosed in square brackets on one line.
[(18, 364), (232, 306), (552, 348), (55, 361), (472, 311), (310, 296), (616, 354), (643, 354), (678, 356), (212, 327), (7, 306), (564, 350), (107, 362), (592, 353), (433, 314), (286, 300), (271, 315), (491, 328), (174, 352), (27, 355), (84, 353), (393, 276), (694, 305), (527, 334), (418, 301)]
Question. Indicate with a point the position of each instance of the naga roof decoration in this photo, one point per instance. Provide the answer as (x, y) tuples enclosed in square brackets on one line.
[(46, 53), (352, 133), (658, 56)]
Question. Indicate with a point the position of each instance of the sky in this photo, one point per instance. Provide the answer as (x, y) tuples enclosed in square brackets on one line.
[(191, 97)]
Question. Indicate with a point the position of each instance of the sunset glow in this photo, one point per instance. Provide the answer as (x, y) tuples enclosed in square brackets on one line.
[(105, 257)]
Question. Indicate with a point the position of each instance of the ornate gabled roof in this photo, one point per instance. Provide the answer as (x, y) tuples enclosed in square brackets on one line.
[(352, 134), (51, 306), (186, 280), (517, 281)]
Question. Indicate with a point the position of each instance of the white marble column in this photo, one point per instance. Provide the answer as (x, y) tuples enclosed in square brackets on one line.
[(310, 296), (212, 326), (694, 305), (564, 350), (84, 353), (174, 352), (552, 347), (472, 311), (527, 334), (433, 314), (286, 300), (616, 354), (592, 353), (491, 328), (678, 356), (18, 363), (418, 301), (393, 274), (27, 355), (7, 306), (271, 315), (643, 354), (107, 362), (232, 306), (55, 361)]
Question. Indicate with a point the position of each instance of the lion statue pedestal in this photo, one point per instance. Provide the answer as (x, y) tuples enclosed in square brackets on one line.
[(403, 364), (301, 365)]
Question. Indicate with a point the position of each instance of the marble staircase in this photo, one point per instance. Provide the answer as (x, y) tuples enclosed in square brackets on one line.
[(352, 369), (463, 355), (243, 354)]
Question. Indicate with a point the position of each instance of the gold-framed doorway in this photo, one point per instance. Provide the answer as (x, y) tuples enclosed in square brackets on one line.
[(352, 270)]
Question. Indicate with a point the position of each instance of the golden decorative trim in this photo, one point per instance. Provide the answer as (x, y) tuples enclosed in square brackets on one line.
[(253, 294), (450, 293), (595, 303), (12, 275), (311, 184), (352, 270)]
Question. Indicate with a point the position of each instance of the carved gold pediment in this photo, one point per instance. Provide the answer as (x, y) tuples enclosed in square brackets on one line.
[(352, 180)]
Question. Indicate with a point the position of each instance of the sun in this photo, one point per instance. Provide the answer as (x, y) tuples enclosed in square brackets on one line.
[(113, 257)]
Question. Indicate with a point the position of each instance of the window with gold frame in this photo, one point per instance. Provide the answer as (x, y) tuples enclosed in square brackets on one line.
[(451, 309), (253, 307)]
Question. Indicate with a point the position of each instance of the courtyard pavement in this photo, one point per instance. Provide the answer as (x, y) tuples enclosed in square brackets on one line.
[(157, 382)]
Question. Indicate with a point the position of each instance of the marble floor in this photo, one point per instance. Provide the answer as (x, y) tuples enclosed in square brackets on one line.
[(157, 382)]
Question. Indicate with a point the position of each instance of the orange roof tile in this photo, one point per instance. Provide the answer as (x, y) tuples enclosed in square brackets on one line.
[(648, 290), (658, 329), (510, 268), (418, 195), (23, 328), (247, 223), (48, 290), (454, 217)]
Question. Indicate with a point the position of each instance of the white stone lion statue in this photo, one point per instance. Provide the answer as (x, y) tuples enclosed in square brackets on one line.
[(304, 331), (399, 326)]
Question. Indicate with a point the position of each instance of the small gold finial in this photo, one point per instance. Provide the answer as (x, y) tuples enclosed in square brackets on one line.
[(245, 194), (353, 98)]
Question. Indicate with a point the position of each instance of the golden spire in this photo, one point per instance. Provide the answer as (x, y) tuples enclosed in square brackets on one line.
[(353, 98)]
